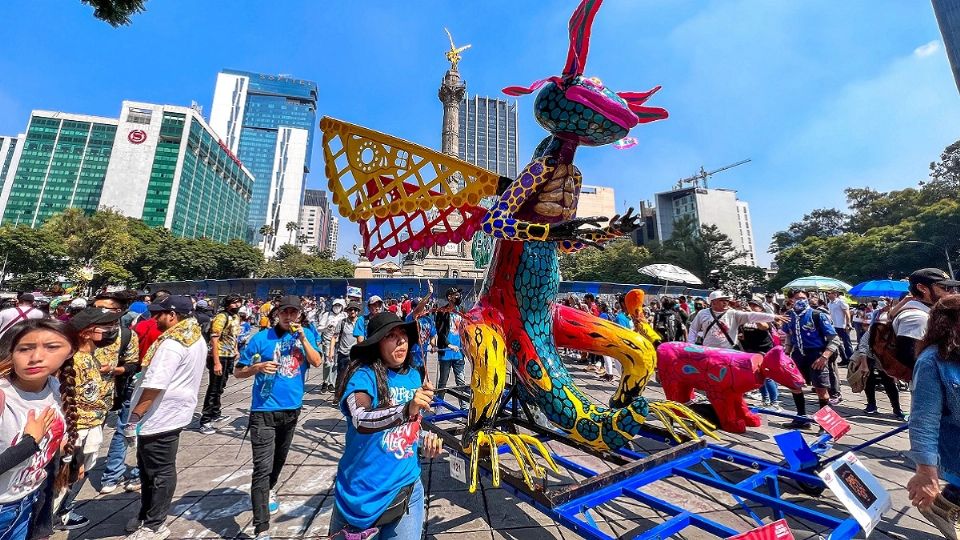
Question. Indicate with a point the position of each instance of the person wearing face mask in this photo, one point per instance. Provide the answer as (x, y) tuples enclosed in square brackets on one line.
[(96, 328), (327, 324), (812, 343), (224, 348), (719, 326)]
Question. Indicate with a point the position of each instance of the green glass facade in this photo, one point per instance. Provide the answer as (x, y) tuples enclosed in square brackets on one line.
[(214, 191), (63, 165), (164, 170), (11, 149)]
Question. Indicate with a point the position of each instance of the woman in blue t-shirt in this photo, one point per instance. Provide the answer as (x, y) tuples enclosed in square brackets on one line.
[(378, 478)]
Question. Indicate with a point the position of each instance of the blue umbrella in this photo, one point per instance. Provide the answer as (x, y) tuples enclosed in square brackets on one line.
[(878, 288)]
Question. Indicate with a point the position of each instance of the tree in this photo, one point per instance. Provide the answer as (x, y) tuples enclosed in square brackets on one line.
[(742, 280), (618, 262), (292, 226), (704, 250), (116, 12), (267, 232), (822, 223), (35, 256)]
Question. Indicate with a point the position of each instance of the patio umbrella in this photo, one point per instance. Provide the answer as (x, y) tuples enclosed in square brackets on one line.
[(818, 283), (879, 287), (670, 273)]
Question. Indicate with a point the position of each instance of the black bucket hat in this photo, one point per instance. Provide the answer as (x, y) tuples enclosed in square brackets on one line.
[(377, 328)]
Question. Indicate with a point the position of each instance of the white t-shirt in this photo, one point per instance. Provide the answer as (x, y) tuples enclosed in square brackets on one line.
[(177, 371), (838, 313), (28, 475), (912, 320), (11, 316)]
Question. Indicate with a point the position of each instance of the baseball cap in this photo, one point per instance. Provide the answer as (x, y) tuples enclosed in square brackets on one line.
[(374, 299), (930, 276), (719, 295), (202, 304), (26, 297), (288, 301), (178, 304), (93, 315), (78, 303)]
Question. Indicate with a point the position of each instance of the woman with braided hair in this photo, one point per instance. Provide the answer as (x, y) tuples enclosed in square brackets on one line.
[(38, 415)]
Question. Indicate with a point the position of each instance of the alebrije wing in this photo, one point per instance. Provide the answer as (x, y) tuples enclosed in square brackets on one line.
[(406, 197)]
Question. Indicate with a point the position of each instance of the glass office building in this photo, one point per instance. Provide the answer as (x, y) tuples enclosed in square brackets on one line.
[(268, 121), (159, 163), (62, 164), (488, 134), (948, 18)]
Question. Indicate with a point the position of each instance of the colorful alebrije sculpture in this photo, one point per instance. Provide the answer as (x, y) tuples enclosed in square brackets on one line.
[(724, 375), (404, 197)]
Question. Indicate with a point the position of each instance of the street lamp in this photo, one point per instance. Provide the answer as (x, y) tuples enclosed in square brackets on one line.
[(946, 253)]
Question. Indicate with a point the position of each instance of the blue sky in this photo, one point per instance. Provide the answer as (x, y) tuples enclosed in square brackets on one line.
[(820, 95)]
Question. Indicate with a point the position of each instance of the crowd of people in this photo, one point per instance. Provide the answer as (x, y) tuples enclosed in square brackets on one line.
[(69, 368)]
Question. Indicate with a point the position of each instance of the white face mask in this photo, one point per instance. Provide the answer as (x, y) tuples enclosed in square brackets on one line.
[(337, 308)]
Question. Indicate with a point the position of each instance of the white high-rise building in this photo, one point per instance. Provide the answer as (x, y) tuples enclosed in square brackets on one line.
[(315, 221), (719, 207), (268, 121), (334, 234)]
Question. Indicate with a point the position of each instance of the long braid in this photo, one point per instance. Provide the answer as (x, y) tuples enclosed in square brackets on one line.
[(68, 404)]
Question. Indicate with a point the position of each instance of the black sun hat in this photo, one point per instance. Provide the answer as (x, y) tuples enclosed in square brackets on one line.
[(377, 328)]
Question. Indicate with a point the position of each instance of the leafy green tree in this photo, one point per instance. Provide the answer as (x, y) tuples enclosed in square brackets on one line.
[(116, 12), (35, 256), (618, 262), (823, 223)]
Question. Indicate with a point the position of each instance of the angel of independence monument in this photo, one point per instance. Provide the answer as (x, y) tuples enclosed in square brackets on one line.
[(453, 260)]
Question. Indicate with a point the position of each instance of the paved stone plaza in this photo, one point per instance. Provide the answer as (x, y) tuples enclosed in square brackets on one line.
[(212, 499)]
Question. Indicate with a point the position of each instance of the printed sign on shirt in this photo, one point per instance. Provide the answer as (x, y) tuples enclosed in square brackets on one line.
[(778, 530), (832, 423), (858, 490)]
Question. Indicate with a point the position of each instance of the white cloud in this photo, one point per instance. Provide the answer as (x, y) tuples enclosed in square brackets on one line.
[(927, 49)]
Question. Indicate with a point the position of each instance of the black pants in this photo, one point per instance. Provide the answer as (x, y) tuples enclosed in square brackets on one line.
[(889, 386), (211, 401), (157, 460), (270, 434), (343, 360)]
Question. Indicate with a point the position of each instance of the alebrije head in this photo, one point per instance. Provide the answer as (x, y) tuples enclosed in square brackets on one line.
[(583, 109)]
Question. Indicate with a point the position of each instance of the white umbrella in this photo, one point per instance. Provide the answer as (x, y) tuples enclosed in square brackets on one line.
[(670, 273)]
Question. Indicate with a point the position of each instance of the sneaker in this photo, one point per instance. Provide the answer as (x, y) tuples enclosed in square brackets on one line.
[(207, 429), (776, 407), (324, 387), (274, 505), (944, 515), (146, 533), (871, 410), (766, 403), (754, 395), (108, 488), (132, 485), (797, 423), (133, 524), (265, 535), (834, 401), (221, 419), (70, 521), (901, 416)]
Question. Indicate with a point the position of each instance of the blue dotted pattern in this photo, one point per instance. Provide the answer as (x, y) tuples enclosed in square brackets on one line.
[(557, 114)]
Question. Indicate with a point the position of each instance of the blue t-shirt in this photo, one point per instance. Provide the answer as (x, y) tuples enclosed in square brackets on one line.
[(606, 316), (283, 390), (803, 331), (427, 330), (360, 328), (624, 321), (376, 465), (453, 338)]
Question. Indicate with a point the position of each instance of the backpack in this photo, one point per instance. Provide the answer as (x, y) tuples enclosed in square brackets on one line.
[(665, 323), (883, 345)]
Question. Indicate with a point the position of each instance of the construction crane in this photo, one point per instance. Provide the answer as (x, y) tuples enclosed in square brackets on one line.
[(701, 177)]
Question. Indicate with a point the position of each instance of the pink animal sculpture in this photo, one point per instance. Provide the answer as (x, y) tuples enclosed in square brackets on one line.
[(724, 375)]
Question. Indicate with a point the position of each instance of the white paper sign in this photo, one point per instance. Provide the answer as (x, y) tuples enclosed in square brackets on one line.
[(858, 490), (458, 468)]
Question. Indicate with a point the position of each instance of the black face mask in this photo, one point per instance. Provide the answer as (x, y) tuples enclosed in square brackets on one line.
[(233, 311), (108, 338)]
